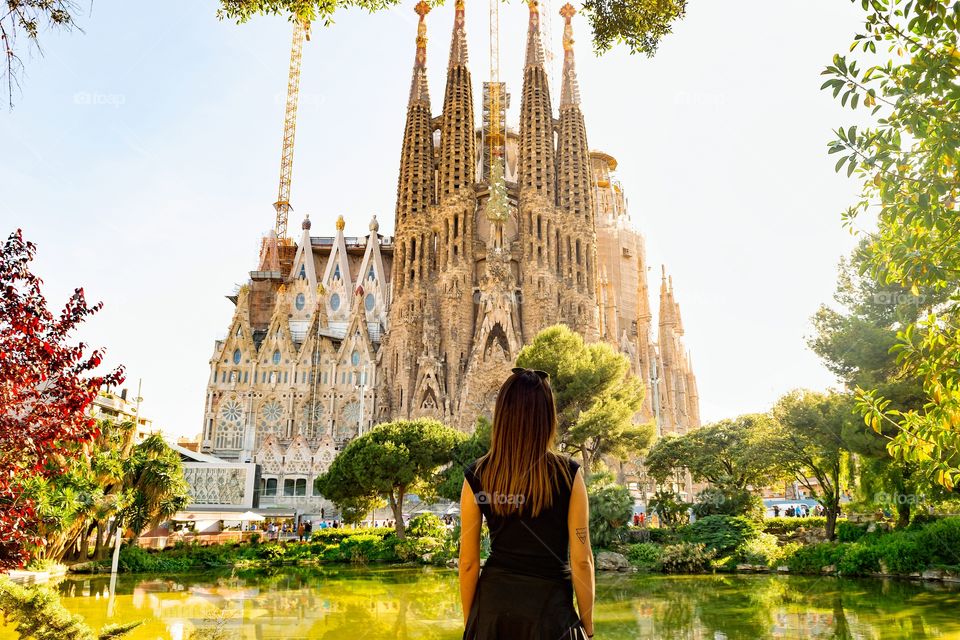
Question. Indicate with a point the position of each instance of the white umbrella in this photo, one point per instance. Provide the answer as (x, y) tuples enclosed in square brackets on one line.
[(250, 516)]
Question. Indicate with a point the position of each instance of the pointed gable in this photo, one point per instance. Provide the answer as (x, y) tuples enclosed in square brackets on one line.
[(270, 456), (299, 457)]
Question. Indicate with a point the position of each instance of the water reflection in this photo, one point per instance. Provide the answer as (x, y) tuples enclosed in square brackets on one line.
[(406, 603)]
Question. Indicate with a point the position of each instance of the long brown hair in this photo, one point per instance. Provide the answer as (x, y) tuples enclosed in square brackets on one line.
[(521, 471)]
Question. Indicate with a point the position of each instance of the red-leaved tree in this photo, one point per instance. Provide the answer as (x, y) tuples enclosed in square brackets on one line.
[(46, 385)]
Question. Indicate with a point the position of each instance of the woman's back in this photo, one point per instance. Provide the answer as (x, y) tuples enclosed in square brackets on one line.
[(524, 544)]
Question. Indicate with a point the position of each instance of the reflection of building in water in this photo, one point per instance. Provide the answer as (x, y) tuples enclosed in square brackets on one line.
[(498, 234)]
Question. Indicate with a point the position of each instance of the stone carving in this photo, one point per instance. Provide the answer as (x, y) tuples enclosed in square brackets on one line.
[(213, 485)]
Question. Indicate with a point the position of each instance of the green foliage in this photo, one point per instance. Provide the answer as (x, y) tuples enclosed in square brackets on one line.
[(728, 501), (426, 525), (784, 525), (724, 535), (859, 560), (644, 554), (941, 539), (388, 461), (903, 65), (686, 557), (765, 549), (597, 397), (813, 558), (368, 548), (732, 455), (450, 481), (850, 531), (903, 553), (36, 613), (330, 535), (810, 445), (668, 506), (638, 25), (611, 507)]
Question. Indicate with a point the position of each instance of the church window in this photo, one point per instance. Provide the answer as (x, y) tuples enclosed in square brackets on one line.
[(286, 377), (371, 275), (295, 487), (539, 228), (578, 251), (324, 377), (316, 486), (355, 358), (370, 301), (236, 356), (246, 377), (276, 357), (456, 225), (303, 273), (270, 487), (233, 376), (300, 302), (336, 272), (335, 301)]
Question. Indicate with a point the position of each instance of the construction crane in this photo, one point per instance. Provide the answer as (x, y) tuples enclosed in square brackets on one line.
[(495, 124), (301, 31)]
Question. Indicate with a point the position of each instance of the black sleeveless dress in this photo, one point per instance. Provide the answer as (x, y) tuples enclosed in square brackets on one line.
[(525, 590)]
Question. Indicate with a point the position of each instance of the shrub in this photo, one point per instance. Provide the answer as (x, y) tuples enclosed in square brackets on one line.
[(644, 554), (850, 531), (813, 558), (426, 525), (902, 553), (765, 549), (781, 526), (685, 557), (731, 502), (368, 548), (611, 507), (941, 539), (669, 507), (722, 534), (334, 536), (413, 549), (859, 560)]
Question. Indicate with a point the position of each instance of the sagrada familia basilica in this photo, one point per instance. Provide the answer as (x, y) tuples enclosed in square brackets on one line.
[(336, 334)]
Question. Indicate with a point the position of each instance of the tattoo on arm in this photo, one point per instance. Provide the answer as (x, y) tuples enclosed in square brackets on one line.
[(582, 535)]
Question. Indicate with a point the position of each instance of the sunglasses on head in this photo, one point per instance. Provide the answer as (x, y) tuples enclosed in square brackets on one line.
[(543, 374)]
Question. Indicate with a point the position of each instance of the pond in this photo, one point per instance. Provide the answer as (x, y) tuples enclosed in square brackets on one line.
[(402, 602)]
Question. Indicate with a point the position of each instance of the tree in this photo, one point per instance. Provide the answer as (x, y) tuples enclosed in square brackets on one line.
[(112, 482), (734, 456), (907, 159), (855, 344), (388, 462), (47, 385), (36, 613), (810, 445), (597, 397), (638, 25), (466, 451), (611, 507)]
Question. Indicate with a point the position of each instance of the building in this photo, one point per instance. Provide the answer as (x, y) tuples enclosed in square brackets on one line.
[(117, 407), (497, 236)]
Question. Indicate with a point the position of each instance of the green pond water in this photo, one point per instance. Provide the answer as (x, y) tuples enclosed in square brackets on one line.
[(400, 602)]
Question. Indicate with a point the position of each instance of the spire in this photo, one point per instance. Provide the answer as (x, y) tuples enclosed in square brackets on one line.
[(418, 87), (574, 182), (537, 155), (458, 42), (570, 91), (535, 55), (667, 307), (457, 135), (415, 185)]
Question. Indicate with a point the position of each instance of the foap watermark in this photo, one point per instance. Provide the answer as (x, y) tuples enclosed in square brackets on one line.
[(96, 99), (893, 298), (500, 498), (882, 497)]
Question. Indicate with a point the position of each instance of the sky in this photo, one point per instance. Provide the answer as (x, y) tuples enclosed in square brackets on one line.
[(142, 156)]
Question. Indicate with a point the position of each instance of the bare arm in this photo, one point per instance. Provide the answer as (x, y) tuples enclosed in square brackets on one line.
[(581, 554), (470, 523)]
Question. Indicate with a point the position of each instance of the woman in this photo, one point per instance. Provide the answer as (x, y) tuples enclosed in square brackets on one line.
[(535, 503)]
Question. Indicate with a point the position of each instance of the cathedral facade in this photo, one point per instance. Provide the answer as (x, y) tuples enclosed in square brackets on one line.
[(334, 334)]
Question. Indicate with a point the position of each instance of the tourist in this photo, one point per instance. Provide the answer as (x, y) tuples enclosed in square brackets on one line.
[(636, 519), (301, 529), (776, 511), (535, 503)]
